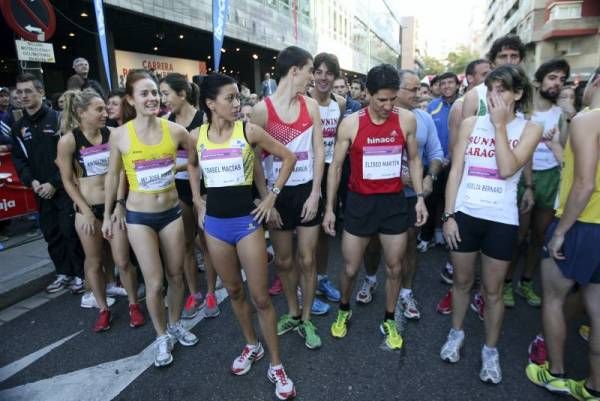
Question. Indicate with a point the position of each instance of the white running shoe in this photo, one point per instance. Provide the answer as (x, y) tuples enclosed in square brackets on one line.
[(423, 246), (490, 366), (162, 352), (284, 386), (365, 294), (410, 308), (88, 301), (451, 349), (249, 356), (180, 334), (113, 290)]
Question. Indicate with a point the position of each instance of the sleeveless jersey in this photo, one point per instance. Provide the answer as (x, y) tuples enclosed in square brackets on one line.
[(543, 158), (591, 213), (297, 137), (483, 193), (481, 90), (182, 153), (150, 168), (91, 160), (228, 170), (376, 155), (330, 117)]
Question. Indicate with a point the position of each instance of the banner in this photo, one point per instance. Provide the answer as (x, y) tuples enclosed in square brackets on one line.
[(219, 17), (102, 39)]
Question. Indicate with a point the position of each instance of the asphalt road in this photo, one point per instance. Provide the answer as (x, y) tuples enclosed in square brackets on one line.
[(117, 364)]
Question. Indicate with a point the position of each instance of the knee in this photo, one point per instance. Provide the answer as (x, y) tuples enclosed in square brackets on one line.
[(462, 284), (235, 291), (123, 264), (393, 272), (262, 302), (93, 263), (175, 279), (153, 288), (285, 263), (350, 271), (307, 262)]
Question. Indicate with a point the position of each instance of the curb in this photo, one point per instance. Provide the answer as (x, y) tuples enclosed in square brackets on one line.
[(41, 276)]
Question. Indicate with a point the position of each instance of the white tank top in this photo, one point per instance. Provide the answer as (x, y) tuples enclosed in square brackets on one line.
[(483, 193), (330, 117), (481, 90), (543, 158)]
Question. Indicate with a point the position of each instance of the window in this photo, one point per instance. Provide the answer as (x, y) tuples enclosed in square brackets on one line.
[(565, 10)]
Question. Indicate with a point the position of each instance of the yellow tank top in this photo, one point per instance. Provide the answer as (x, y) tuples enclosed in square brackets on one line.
[(150, 168), (591, 213), (226, 164)]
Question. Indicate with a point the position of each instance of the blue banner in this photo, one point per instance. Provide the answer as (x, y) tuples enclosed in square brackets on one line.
[(220, 8), (102, 37)]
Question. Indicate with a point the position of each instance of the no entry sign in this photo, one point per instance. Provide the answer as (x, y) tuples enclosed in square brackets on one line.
[(30, 19)]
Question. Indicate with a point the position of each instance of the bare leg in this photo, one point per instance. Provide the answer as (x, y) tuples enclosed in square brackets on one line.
[(591, 297), (172, 247), (190, 269), (394, 248), (409, 261), (493, 272), (540, 220), (372, 256), (93, 248), (464, 267), (307, 246), (119, 246), (284, 261), (322, 252), (353, 249), (211, 274)]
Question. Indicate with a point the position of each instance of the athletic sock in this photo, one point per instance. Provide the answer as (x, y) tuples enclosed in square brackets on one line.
[(388, 316), (344, 306), (489, 350), (372, 279), (405, 293)]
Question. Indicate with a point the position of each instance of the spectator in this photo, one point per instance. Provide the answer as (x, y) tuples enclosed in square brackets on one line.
[(57, 101), (253, 99), (435, 87), (268, 85), (357, 91), (82, 68), (340, 87), (424, 90), (13, 113), (4, 102), (75, 82), (246, 112)]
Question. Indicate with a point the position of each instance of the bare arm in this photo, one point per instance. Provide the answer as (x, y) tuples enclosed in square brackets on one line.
[(470, 104), (454, 120), (194, 172), (458, 161), (111, 180), (64, 161), (318, 146)]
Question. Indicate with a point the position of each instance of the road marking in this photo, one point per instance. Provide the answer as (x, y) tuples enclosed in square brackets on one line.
[(102, 382)]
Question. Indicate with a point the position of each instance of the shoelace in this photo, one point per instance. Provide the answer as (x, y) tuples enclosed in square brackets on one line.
[(280, 376), (341, 318), (411, 303), (366, 286), (490, 364), (245, 354), (163, 345)]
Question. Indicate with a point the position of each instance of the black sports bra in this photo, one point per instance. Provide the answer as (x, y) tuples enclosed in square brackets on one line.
[(91, 159)]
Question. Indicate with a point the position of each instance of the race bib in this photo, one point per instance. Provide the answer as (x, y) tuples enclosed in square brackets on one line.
[(155, 175), (182, 158), (329, 143), (543, 158), (222, 167), (382, 162), (302, 172), (484, 187), (95, 159)]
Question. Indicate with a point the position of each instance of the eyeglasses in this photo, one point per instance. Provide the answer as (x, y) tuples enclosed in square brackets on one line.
[(413, 90)]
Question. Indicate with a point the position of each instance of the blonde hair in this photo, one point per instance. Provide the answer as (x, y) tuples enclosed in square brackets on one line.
[(75, 102)]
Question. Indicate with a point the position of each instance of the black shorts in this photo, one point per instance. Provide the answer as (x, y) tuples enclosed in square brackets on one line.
[(289, 204), (411, 202), (367, 215), (184, 191), (493, 239)]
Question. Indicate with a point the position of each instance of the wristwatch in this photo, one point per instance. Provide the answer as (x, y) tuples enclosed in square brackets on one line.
[(447, 216), (276, 191)]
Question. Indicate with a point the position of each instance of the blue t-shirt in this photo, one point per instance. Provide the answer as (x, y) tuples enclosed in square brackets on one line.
[(351, 106), (440, 110)]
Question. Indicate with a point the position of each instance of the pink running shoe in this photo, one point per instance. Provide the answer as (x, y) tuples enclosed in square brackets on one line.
[(445, 305), (276, 287), (537, 351)]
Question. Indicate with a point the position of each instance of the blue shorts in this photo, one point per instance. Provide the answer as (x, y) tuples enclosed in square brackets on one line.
[(231, 230), (156, 221), (581, 250)]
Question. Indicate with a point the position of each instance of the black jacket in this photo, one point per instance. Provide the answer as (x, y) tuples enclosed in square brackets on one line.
[(35, 138)]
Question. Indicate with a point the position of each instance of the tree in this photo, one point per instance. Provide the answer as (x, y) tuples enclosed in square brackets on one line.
[(433, 66), (458, 60)]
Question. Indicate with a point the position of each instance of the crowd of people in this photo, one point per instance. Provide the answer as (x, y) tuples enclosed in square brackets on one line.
[(498, 167)]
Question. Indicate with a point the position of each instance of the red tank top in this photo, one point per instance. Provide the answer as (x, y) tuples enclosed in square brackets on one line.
[(376, 156)]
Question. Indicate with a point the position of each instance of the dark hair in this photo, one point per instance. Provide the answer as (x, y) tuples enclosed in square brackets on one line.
[(75, 82), (513, 78), (209, 89), (360, 82), (28, 77), (383, 76), (120, 92), (447, 75), (178, 83), (289, 57), (470, 70), (342, 77), (132, 77), (557, 64), (434, 80), (403, 72), (330, 60), (512, 42)]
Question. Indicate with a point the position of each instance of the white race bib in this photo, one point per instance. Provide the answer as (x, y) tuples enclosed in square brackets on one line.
[(302, 172), (382, 162), (222, 167), (543, 157), (155, 175), (329, 143), (484, 187), (95, 159), (182, 158)]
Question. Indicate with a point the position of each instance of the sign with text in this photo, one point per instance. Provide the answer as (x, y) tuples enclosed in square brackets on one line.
[(35, 51), (32, 20), (161, 65)]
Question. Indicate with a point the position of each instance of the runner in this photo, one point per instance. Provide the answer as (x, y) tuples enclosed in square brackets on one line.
[(481, 206), (571, 252), (82, 157), (146, 149), (293, 119), (232, 223), (376, 137)]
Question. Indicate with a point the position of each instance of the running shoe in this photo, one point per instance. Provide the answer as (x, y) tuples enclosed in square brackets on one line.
[(525, 290), (211, 308), (136, 317), (541, 376), (423, 246), (409, 305), (537, 351), (319, 307), (478, 305), (88, 301), (579, 392), (162, 352), (286, 323), (490, 366), (326, 287), (450, 351), (308, 331), (192, 306), (365, 294), (393, 339), (445, 305), (339, 328), (114, 290), (508, 296), (447, 273), (61, 281), (277, 287), (103, 321), (584, 332), (76, 286), (284, 386), (249, 356), (182, 335)]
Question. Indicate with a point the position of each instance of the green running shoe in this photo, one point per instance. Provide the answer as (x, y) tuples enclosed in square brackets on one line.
[(540, 375), (286, 323), (525, 290), (579, 392), (339, 328), (393, 339), (508, 296), (308, 331)]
